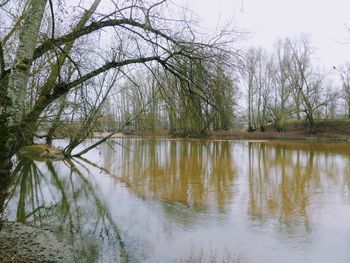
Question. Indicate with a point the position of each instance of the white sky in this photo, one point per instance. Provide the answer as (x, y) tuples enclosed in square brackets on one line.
[(267, 20)]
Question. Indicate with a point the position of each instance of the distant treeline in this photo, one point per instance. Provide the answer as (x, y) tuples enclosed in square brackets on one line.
[(264, 89)]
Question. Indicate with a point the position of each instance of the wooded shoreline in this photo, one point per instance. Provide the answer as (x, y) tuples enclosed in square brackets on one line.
[(332, 137)]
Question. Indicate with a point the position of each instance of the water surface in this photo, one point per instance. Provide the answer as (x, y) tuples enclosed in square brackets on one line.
[(181, 200)]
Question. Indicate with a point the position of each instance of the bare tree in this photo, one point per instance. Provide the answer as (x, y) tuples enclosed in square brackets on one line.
[(307, 84), (262, 89), (332, 97), (249, 75), (344, 72), (139, 34), (281, 106), (257, 76)]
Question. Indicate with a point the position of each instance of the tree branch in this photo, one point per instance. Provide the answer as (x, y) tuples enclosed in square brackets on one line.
[(17, 24), (56, 69), (53, 19), (63, 87), (53, 43), (2, 60), (4, 3)]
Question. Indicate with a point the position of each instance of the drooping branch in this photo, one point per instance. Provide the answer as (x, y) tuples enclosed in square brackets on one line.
[(95, 26), (65, 87)]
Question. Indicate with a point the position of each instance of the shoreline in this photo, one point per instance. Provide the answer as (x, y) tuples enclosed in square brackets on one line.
[(255, 136), (24, 243), (286, 136)]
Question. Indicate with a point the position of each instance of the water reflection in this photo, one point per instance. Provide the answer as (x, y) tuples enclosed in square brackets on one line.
[(283, 187), (290, 182), (62, 196), (194, 173), (160, 200), (284, 177), (279, 180)]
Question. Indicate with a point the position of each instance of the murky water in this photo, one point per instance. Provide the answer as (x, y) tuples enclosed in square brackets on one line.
[(193, 201)]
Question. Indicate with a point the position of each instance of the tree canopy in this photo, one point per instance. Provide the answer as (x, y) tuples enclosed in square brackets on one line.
[(60, 54)]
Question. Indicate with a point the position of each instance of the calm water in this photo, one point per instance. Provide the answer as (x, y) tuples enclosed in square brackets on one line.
[(177, 201)]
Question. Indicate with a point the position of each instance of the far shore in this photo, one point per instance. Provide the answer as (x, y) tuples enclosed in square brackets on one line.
[(240, 135)]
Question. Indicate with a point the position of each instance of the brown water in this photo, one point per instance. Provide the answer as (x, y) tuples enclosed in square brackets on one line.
[(179, 200)]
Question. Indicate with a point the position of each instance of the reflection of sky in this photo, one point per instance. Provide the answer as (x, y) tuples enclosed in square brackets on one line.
[(313, 227)]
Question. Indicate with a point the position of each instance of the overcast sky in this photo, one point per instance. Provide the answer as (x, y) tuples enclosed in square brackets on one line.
[(325, 20)]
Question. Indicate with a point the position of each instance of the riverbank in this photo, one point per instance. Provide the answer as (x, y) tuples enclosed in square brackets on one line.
[(243, 135), (21, 243), (326, 131), (319, 136), (331, 130)]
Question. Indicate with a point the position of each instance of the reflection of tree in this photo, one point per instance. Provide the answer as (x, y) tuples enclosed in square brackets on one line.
[(283, 177), (223, 171), (189, 172), (63, 198), (278, 182)]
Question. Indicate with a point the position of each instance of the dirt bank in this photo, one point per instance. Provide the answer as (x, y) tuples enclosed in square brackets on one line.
[(20, 243), (320, 136), (332, 130)]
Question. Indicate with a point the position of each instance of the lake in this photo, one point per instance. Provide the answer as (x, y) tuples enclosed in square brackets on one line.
[(163, 200)]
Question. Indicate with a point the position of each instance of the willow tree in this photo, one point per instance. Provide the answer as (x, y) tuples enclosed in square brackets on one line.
[(202, 103), (224, 99), (122, 34)]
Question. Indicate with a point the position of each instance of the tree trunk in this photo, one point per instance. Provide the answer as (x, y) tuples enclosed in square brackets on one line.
[(19, 76), (14, 85), (56, 120), (5, 175), (311, 122)]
